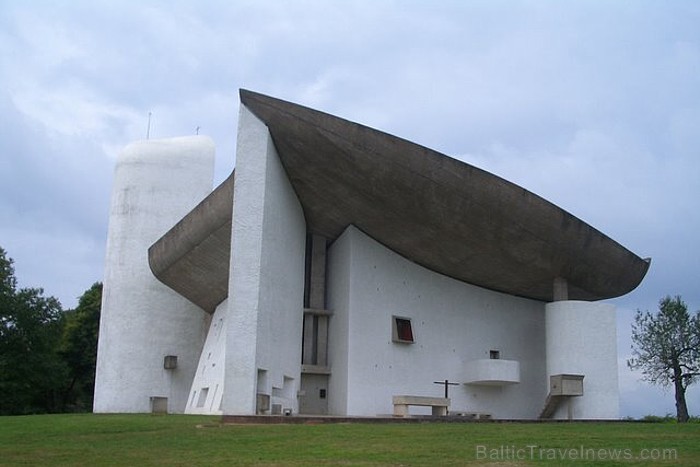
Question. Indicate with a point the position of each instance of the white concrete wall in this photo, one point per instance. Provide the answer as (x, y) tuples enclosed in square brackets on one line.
[(582, 339), (338, 285), (208, 384), (156, 183), (266, 285), (453, 323)]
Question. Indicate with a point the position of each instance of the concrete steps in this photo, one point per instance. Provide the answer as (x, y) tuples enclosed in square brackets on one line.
[(551, 405)]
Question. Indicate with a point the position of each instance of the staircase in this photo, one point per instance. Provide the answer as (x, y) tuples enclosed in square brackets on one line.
[(551, 405), (561, 387)]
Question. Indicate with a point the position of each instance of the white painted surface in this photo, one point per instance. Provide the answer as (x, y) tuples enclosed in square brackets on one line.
[(266, 283), (492, 372), (339, 268), (209, 378), (582, 339), (453, 323), (156, 183)]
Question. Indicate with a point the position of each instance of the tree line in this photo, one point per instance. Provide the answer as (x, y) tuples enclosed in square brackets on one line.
[(47, 354)]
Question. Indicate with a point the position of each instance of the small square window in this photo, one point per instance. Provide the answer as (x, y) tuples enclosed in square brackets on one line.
[(494, 354), (401, 330), (170, 362)]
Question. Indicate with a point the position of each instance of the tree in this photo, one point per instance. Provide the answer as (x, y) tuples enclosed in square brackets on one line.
[(79, 349), (31, 371), (666, 347)]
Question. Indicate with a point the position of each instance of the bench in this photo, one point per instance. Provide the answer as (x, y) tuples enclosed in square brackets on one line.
[(401, 403)]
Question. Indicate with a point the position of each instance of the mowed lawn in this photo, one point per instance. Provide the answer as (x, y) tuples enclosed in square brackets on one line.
[(137, 440)]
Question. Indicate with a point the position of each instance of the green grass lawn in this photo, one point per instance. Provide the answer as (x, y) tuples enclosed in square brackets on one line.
[(196, 440)]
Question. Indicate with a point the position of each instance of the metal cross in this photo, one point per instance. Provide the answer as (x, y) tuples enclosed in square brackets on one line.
[(447, 384)]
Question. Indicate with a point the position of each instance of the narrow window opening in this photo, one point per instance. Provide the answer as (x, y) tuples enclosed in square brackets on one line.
[(402, 331), (213, 397), (314, 348), (202, 397)]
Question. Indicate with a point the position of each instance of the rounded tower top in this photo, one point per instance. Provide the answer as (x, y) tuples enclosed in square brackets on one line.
[(197, 149)]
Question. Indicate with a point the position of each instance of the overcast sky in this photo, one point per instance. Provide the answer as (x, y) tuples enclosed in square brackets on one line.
[(594, 105)]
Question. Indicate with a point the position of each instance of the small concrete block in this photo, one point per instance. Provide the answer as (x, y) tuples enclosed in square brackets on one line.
[(159, 405), (400, 410)]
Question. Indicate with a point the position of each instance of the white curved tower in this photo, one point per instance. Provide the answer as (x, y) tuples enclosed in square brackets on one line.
[(582, 340), (156, 183)]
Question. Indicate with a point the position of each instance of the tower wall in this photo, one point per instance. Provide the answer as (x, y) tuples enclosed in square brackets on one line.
[(156, 183), (582, 339)]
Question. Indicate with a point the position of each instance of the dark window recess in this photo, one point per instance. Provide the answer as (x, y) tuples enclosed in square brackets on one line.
[(322, 393), (404, 332), (494, 354)]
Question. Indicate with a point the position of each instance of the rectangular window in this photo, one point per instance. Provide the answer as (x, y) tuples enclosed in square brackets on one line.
[(494, 354), (170, 362), (401, 330), (202, 397)]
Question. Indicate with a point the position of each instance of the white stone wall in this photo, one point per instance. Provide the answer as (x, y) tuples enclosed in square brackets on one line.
[(156, 183), (453, 323), (339, 297), (266, 284), (582, 339)]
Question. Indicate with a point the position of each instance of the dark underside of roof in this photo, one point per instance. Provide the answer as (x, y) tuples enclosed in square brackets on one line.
[(443, 214)]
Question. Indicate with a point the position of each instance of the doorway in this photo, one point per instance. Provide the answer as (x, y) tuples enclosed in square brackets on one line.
[(313, 398)]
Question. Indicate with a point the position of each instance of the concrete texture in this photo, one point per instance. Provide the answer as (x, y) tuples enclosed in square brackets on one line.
[(439, 405), (582, 339), (492, 372), (441, 213), (468, 257), (207, 387), (266, 279), (193, 257), (446, 215), (156, 183), (453, 323)]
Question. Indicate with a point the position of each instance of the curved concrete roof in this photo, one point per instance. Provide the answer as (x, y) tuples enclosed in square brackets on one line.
[(441, 213), (193, 257)]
